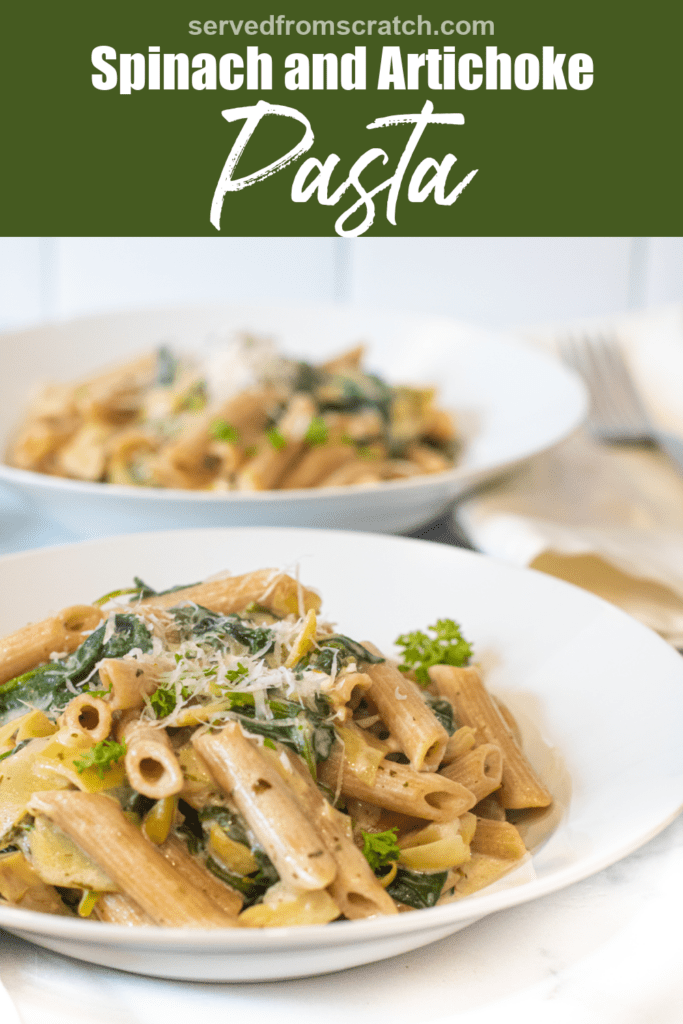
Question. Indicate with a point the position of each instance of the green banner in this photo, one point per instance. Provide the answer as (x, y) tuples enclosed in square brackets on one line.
[(373, 118)]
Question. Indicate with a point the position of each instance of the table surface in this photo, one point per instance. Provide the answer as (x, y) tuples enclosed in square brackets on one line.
[(604, 951)]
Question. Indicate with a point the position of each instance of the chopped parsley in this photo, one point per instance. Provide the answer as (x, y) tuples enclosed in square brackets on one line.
[(221, 430), (276, 438), (163, 702), (421, 651), (101, 757), (234, 675), (380, 848), (318, 432)]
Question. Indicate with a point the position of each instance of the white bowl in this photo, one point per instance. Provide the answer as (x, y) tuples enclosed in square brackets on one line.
[(511, 401), (581, 676)]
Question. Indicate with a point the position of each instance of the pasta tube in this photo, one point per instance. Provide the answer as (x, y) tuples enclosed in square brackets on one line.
[(398, 787), (474, 706), (175, 852), (407, 717), (272, 461), (128, 681), (151, 765), (34, 644), (90, 714), (269, 587), (481, 770), (97, 824), (269, 806), (355, 888), (117, 908), (317, 464)]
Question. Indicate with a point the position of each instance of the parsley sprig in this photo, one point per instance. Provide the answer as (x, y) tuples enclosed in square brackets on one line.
[(421, 651), (380, 849), (101, 757)]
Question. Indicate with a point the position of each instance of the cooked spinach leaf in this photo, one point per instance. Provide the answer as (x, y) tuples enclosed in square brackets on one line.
[(305, 731), (417, 889), (251, 886), (339, 647), (442, 709), (49, 686), (195, 621), (14, 750)]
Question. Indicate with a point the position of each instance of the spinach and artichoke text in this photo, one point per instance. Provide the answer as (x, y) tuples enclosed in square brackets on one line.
[(437, 69)]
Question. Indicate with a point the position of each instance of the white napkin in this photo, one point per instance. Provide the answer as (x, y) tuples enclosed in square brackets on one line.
[(607, 518)]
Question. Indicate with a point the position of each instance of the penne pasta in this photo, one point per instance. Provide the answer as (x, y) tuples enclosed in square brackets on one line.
[(129, 682), (34, 644), (90, 714), (481, 770), (151, 765), (117, 908), (399, 788), (269, 807), (474, 706), (97, 825), (268, 587), (406, 715)]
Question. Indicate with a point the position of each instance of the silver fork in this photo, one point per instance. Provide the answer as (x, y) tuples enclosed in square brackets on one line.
[(617, 414)]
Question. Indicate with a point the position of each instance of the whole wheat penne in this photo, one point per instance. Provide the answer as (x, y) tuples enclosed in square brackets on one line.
[(269, 806), (355, 888), (345, 692), (406, 715), (117, 908), (397, 787), (276, 454), (428, 459), (92, 715), (129, 682), (151, 765), (316, 464), (97, 824), (176, 853), (269, 587), (480, 770), (474, 706), (462, 740), (33, 645)]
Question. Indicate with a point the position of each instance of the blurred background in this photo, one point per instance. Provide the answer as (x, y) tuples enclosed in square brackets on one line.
[(497, 282)]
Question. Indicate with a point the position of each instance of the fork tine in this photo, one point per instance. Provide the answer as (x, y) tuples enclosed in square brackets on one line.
[(616, 410), (633, 409)]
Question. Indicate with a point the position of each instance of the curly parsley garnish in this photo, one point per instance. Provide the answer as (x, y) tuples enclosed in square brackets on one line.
[(380, 848), (421, 651), (101, 757), (163, 702)]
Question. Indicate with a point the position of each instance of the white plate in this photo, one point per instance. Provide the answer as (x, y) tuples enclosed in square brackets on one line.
[(511, 401), (582, 677)]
